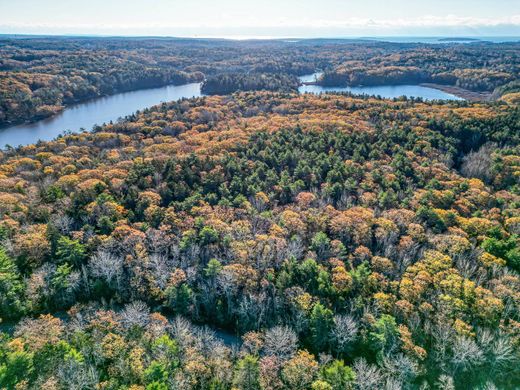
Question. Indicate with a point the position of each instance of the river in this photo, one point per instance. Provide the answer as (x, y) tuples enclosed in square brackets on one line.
[(94, 112), (109, 108)]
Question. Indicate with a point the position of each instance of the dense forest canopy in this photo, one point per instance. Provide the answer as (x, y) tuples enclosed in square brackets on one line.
[(351, 243), (477, 67), (225, 83), (41, 76)]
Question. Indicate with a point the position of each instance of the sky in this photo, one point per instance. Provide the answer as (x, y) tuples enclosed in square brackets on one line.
[(262, 19)]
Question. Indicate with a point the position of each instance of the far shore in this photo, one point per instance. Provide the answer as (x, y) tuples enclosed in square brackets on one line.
[(460, 92)]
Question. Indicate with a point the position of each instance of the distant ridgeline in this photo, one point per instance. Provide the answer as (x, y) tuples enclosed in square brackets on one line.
[(40, 76)]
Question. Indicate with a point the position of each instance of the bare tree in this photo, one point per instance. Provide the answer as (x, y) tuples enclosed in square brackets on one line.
[(76, 375), (503, 353), (280, 341), (368, 376), (62, 222), (106, 266), (445, 382), (489, 386), (443, 335), (345, 331), (466, 353), (135, 314), (478, 163), (400, 367), (182, 331), (160, 269), (393, 384), (498, 349), (251, 310)]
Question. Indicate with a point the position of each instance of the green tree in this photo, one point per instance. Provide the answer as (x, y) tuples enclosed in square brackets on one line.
[(157, 386), (321, 323), (180, 298), (384, 334), (247, 374), (431, 218), (321, 245), (166, 350), (507, 249), (156, 372), (213, 269), (16, 367), (321, 385), (208, 235), (339, 376), (69, 251), (11, 288)]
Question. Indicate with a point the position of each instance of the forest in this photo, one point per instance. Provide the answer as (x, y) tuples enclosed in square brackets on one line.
[(223, 84), (39, 77), (265, 240), (473, 67)]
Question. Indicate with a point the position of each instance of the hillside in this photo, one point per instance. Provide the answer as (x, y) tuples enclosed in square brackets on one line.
[(350, 242), (40, 76)]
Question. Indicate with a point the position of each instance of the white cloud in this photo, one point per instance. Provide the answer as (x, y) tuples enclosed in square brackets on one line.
[(286, 27), (425, 21)]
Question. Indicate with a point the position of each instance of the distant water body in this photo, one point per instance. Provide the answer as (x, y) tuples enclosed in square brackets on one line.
[(94, 112), (444, 40), (84, 116), (385, 91)]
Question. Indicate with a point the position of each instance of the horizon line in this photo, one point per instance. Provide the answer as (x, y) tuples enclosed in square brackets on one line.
[(260, 37)]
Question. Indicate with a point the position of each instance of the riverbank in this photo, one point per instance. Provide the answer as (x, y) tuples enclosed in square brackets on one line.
[(76, 102), (94, 112), (472, 96)]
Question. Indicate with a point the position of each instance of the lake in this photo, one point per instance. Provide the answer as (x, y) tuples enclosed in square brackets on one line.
[(94, 112), (109, 108), (385, 91)]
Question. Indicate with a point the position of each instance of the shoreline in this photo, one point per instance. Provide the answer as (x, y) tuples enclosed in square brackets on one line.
[(471, 96), (33, 120)]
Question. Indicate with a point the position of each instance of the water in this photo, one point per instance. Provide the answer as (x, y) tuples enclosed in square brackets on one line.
[(94, 112), (385, 91), (310, 78), (442, 40), (110, 108)]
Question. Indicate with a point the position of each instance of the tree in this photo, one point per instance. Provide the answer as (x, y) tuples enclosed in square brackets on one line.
[(478, 163), (11, 288), (107, 266), (384, 334), (344, 332), (156, 372), (300, 371), (247, 373), (339, 376), (321, 245), (368, 376), (466, 353), (213, 269), (135, 314), (179, 295), (208, 235), (321, 385), (69, 251), (16, 366), (321, 324), (280, 341)]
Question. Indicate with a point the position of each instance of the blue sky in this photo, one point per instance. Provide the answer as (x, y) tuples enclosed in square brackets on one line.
[(267, 18)]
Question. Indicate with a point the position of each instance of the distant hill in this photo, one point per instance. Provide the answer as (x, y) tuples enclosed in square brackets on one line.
[(460, 40)]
